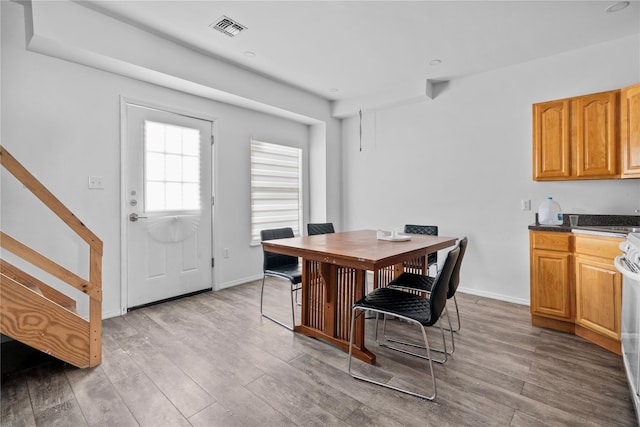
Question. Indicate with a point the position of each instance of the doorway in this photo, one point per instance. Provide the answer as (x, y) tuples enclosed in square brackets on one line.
[(167, 185)]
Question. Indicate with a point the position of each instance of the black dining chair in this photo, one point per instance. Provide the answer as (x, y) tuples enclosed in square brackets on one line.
[(315, 228), (413, 309), (432, 259), (320, 228), (421, 284), (282, 266)]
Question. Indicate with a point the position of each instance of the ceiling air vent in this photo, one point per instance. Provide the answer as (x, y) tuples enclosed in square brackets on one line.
[(228, 26)]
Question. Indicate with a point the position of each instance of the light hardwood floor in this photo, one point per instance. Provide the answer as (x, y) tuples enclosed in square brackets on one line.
[(211, 360)]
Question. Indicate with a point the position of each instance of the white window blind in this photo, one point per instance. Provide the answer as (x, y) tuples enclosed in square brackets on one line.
[(276, 188)]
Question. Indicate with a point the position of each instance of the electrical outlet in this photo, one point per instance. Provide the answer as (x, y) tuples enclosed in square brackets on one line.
[(96, 183), (525, 205)]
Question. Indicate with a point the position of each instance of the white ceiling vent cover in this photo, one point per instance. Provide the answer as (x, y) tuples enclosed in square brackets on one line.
[(228, 26)]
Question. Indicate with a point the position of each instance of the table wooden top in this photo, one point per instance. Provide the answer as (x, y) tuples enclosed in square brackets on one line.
[(358, 249)]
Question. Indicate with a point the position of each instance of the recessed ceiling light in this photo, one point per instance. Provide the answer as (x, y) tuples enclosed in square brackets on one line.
[(435, 62), (333, 90), (617, 6), (249, 54)]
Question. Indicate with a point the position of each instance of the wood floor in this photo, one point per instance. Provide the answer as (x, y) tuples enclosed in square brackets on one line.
[(211, 360)]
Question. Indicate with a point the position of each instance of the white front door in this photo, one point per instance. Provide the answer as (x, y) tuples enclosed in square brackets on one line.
[(167, 180)]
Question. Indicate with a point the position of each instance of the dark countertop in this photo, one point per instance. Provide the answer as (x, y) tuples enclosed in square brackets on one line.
[(587, 221)]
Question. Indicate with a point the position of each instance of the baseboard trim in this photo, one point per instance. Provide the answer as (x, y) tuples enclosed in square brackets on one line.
[(491, 295), (237, 282)]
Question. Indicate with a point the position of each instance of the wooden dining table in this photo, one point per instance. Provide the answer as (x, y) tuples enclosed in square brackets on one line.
[(334, 268)]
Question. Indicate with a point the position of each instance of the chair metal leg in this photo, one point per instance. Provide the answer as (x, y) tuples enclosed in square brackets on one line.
[(370, 380), (453, 341), (409, 344), (437, 350), (455, 301), (262, 293), (406, 343), (293, 312), (271, 318)]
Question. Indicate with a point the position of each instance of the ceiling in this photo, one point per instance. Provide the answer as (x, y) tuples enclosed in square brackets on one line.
[(346, 50)]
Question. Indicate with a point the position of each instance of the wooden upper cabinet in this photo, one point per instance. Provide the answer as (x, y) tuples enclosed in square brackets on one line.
[(595, 135), (630, 131), (551, 140), (577, 138)]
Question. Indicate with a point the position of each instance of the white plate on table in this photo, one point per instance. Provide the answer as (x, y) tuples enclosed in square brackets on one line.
[(396, 238)]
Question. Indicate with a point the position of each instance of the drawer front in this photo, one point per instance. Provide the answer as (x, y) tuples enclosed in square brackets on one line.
[(549, 240), (601, 247)]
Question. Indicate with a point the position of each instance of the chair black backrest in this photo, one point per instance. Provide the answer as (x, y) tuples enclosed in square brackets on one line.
[(320, 228), (273, 261), (429, 230), (438, 296), (455, 276)]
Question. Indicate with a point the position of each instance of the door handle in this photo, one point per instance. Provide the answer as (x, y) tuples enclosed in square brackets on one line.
[(133, 217)]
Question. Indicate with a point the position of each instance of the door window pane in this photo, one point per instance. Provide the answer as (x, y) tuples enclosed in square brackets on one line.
[(154, 193), (155, 167), (172, 168), (154, 135), (173, 196), (190, 169), (190, 142), (173, 139), (190, 196)]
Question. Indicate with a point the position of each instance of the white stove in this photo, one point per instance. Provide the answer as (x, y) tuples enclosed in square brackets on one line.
[(629, 265)]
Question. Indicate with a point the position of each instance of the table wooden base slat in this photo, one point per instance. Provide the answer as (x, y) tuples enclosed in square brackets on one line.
[(328, 301)]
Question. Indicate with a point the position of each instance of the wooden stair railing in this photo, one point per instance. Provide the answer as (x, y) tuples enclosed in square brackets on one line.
[(38, 315)]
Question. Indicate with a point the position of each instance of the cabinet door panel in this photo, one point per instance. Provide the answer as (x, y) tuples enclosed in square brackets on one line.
[(550, 284), (630, 131), (598, 296), (551, 144), (595, 125)]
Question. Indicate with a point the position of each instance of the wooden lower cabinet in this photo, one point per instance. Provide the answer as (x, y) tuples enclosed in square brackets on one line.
[(551, 284), (575, 287), (551, 288), (598, 291)]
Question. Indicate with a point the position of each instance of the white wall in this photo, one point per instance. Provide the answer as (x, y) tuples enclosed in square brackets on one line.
[(463, 161), (62, 121)]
